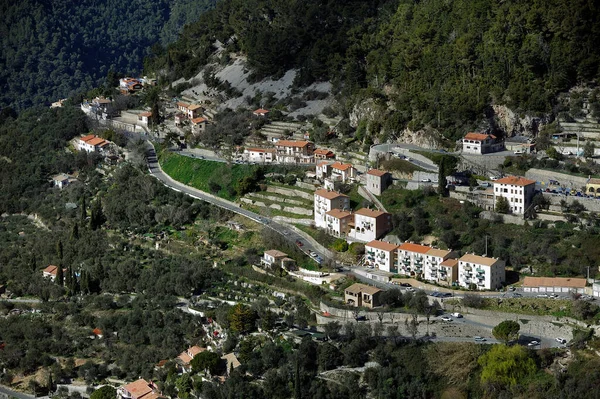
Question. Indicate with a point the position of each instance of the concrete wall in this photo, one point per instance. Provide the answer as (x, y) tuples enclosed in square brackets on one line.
[(276, 199), (291, 192), (565, 180), (590, 204)]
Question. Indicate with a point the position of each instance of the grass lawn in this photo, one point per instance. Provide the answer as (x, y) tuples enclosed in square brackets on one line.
[(401, 166), (198, 173)]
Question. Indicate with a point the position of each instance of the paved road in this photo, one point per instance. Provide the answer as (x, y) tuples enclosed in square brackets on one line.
[(9, 393), (290, 234)]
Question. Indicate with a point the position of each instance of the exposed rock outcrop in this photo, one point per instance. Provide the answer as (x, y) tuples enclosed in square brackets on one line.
[(512, 124)]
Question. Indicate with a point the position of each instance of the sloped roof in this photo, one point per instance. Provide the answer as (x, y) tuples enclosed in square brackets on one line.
[(593, 180), (478, 136), (554, 282), (358, 287), (96, 141), (341, 166), (322, 163), (329, 194), (376, 172), (51, 269), (261, 111), (271, 150), (322, 151), (438, 252), (449, 263), (338, 213), (138, 388), (515, 181), (292, 143), (146, 114), (275, 253), (232, 361), (87, 138), (369, 212), (382, 245), (478, 260), (418, 248), (193, 107), (199, 120)]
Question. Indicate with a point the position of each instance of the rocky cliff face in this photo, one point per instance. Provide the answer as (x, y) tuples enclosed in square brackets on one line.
[(427, 137), (512, 124)]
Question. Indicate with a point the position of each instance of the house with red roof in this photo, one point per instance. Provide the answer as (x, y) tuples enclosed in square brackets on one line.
[(480, 143), (378, 181), (92, 143), (295, 151), (517, 190), (274, 259), (260, 155), (140, 389), (185, 358), (321, 154), (339, 222), (370, 224), (191, 111), (50, 272), (261, 112), (144, 118), (325, 201), (381, 255), (343, 172), (199, 124)]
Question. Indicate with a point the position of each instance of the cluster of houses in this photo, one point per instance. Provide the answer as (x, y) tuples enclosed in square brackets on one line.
[(332, 213), (192, 114), (100, 107), (436, 265), (517, 190)]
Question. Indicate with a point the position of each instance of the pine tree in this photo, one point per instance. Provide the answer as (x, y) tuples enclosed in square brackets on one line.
[(83, 208), (59, 250), (97, 216), (33, 263), (60, 277), (75, 232)]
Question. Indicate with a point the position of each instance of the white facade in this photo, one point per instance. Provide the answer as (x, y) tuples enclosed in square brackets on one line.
[(381, 255), (517, 190), (338, 222), (478, 143), (378, 181), (412, 259), (323, 170), (482, 272), (433, 259), (260, 155), (344, 172), (370, 225), (325, 201)]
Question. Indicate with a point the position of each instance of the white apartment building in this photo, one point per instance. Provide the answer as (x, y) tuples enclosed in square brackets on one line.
[(339, 222), (412, 259), (260, 155), (448, 272), (370, 225), (433, 259), (323, 170), (325, 201), (378, 181), (517, 190), (382, 255), (481, 272), (92, 143)]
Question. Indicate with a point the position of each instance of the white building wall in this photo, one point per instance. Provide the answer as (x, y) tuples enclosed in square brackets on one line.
[(365, 228)]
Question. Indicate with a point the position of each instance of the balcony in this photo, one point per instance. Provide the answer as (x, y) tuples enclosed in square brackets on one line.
[(467, 268)]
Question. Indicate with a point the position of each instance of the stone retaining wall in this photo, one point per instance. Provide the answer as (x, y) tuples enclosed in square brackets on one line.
[(291, 192), (565, 180), (277, 199), (291, 209)]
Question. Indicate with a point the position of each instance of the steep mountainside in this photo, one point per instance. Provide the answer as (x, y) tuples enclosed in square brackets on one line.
[(51, 48), (428, 63)]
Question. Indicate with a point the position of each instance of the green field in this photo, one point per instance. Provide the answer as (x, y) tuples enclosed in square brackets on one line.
[(207, 175)]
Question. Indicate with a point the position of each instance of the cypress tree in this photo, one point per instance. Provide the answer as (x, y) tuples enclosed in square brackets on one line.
[(83, 207), (60, 277), (75, 232), (59, 250)]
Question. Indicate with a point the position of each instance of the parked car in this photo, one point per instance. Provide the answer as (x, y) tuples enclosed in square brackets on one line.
[(479, 339), (405, 285), (410, 289), (533, 343), (542, 295), (561, 340), (446, 318), (457, 315)]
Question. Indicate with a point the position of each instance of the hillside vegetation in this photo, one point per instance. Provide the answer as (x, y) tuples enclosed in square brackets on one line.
[(440, 64), (51, 49)]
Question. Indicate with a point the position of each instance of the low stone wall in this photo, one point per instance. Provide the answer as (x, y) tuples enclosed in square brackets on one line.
[(291, 192), (291, 209), (565, 180), (514, 219), (590, 204), (304, 222), (307, 186), (277, 199)]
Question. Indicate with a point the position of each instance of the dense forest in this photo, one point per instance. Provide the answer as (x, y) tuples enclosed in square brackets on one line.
[(51, 49), (439, 64)]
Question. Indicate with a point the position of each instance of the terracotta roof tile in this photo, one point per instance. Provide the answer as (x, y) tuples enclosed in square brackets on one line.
[(338, 213), (370, 213), (341, 166), (384, 246), (138, 388), (329, 194), (478, 260), (449, 263), (358, 287), (554, 282), (515, 181), (292, 143), (275, 253), (376, 172), (478, 136), (438, 252), (408, 246)]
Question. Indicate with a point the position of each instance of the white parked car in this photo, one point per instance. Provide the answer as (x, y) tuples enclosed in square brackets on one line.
[(533, 343), (542, 295), (479, 339), (446, 318), (561, 341)]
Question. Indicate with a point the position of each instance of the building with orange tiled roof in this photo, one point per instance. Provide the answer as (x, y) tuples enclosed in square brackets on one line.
[(378, 181), (295, 151), (92, 143), (480, 143), (411, 259), (517, 190), (144, 118), (191, 111), (185, 358), (481, 272), (321, 153), (199, 124), (274, 258), (140, 389), (448, 272), (325, 201), (370, 225), (382, 255), (343, 172), (261, 112), (362, 295), (339, 222), (563, 285), (433, 259)]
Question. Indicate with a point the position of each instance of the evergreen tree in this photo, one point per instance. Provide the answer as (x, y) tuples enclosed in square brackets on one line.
[(75, 232), (83, 208), (60, 277), (59, 250), (97, 216)]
